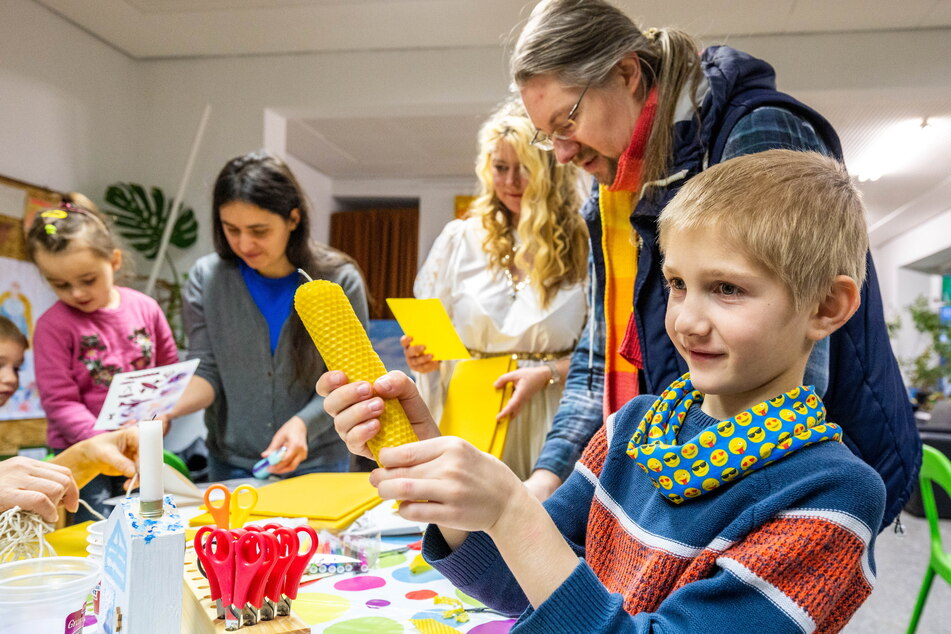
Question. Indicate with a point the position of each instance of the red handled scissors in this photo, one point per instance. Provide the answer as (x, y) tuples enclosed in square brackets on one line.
[(296, 568), (287, 547), (207, 570), (232, 507), (219, 553), (255, 554)]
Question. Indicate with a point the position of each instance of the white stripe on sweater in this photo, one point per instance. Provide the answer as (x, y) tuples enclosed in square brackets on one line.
[(789, 607), (651, 540), (847, 522)]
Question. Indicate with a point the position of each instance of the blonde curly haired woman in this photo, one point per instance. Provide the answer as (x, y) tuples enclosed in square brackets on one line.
[(511, 275)]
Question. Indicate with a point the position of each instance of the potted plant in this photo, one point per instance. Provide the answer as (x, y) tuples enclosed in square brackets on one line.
[(927, 370), (140, 217)]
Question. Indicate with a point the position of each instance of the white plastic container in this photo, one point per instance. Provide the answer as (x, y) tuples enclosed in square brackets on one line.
[(97, 528), (46, 595)]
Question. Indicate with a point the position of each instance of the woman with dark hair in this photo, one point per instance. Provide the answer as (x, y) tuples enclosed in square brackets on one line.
[(258, 365)]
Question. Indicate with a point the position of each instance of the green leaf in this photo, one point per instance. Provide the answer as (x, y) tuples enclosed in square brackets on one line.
[(140, 217)]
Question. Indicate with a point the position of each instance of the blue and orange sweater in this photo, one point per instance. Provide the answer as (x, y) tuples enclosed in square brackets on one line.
[(787, 548)]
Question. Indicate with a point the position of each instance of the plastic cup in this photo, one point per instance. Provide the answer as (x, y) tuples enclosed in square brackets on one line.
[(97, 528), (95, 550), (46, 595)]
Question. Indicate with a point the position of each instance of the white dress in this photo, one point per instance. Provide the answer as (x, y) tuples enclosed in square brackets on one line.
[(491, 317)]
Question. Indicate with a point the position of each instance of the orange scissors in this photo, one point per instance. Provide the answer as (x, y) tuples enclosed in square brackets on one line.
[(233, 507)]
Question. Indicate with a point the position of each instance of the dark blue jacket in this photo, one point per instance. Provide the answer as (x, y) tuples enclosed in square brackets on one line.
[(866, 394)]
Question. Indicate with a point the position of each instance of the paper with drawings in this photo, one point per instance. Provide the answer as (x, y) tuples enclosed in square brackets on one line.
[(144, 394)]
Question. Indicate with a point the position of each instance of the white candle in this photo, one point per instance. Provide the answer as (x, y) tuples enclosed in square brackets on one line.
[(150, 461)]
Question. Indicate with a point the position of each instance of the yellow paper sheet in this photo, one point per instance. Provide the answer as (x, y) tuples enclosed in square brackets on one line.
[(426, 321), (333, 525), (328, 500), (472, 403), (70, 541)]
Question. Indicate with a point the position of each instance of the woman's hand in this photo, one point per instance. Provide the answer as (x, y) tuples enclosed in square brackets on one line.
[(416, 357), (37, 486), (293, 436), (528, 382), (355, 407), (458, 486)]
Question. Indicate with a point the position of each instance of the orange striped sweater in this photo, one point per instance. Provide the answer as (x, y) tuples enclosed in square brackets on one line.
[(784, 549)]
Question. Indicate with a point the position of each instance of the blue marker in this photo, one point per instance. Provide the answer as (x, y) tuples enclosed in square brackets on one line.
[(260, 469)]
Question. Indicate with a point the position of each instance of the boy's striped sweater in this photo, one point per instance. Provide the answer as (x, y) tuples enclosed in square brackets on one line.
[(787, 548)]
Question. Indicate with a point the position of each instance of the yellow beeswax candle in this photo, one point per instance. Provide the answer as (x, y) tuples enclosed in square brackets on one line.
[(344, 345)]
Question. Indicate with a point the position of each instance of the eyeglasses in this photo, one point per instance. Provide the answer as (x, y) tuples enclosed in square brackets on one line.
[(564, 132)]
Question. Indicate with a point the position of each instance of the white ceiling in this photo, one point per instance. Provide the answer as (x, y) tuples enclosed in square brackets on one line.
[(428, 144), (147, 29)]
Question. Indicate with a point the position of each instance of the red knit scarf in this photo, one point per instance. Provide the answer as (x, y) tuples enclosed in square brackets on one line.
[(622, 349)]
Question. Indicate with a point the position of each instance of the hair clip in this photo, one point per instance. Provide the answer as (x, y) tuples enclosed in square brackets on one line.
[(57, 214)]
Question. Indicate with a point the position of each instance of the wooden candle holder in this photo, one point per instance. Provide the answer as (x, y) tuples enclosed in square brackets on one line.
[(200, 615)]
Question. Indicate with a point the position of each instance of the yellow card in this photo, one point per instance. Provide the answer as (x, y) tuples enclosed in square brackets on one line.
[(327, 499), (427, 322), (71, 540), (473, 403)]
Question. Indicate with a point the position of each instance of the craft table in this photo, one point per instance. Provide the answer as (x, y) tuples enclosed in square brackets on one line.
[(381, 601), (384, 600)]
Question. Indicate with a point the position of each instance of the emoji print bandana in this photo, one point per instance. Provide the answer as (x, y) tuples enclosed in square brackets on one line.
[(728, 450)]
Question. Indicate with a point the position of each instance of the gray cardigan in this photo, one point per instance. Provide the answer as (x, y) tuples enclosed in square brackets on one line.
[(255, 392)]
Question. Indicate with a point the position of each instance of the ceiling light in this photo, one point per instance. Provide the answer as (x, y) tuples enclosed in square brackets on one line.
[(898, 147)]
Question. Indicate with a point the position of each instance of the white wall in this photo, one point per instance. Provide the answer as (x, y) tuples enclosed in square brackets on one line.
[(901, 285), (76, 114), (70, 106), (242, 89)]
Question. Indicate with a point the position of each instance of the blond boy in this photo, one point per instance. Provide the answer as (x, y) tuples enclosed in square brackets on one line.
[(727, 504)]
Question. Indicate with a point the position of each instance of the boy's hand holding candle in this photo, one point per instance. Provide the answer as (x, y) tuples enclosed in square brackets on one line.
[(343, 344), (356, 407)]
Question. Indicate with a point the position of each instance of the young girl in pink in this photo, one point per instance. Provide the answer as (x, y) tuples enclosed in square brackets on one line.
[(95, 331)]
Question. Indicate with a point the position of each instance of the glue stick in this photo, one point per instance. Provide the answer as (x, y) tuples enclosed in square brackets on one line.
[(260, 468)]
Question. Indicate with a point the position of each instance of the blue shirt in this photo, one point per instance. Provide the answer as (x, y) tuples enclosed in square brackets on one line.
[(274, 298)]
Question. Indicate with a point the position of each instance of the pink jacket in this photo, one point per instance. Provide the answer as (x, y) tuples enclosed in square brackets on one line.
[(77, 354)]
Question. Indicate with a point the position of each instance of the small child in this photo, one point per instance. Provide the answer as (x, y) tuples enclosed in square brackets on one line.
[(38, 486), (13, 345), (728, 503), (95, 331)]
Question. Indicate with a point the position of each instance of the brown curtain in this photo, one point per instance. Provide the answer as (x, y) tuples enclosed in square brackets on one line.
[(384, 242)]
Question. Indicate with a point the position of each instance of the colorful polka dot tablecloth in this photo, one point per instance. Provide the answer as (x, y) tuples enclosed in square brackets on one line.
[(388, 599)]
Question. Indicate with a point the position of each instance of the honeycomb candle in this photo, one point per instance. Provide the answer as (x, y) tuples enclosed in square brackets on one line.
[(344, 345)]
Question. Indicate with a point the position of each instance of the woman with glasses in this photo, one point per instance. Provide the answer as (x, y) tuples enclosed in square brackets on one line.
[(511, 276), (643, 112)]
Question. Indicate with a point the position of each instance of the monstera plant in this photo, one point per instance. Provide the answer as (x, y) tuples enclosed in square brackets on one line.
[(140, 217)]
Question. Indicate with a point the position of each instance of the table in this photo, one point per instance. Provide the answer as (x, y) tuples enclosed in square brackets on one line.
[(381, 601), (384, 600)]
